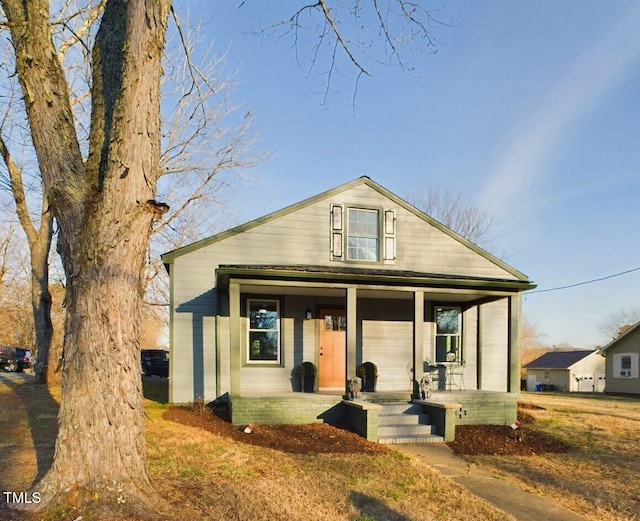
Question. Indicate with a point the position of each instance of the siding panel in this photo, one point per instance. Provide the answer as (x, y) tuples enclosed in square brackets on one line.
[(494, 342)]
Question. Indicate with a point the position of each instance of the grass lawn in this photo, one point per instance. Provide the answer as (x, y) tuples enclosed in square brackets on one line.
[(205, 475), (599, 477)]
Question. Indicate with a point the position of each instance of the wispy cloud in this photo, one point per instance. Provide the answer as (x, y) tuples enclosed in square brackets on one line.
[(586, 83)]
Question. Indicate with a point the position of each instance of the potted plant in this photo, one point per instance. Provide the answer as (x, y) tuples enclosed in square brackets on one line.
[(307, 373), (369, 374)]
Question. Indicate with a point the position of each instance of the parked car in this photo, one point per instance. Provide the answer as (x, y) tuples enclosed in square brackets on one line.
[(24, 358), (8, 360), (155, 362)]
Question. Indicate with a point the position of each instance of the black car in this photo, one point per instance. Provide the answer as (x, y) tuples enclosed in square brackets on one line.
[(24, 359), (8, 360), (155, 362)]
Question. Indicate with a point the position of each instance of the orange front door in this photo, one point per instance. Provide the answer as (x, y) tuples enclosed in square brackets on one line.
[(333, 342)]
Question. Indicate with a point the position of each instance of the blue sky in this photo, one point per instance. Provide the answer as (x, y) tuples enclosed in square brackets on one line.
[(529, 108)]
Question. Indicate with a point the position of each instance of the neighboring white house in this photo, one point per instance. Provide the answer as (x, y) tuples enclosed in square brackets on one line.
[(573, 371), (623, 363), (351, 275)]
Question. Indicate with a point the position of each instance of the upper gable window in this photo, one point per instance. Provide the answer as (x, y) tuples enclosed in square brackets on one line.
[(363, 235)]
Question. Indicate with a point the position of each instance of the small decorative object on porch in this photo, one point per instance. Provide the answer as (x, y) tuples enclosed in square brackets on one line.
[(307, 373), (355, 384), (425, 386), (369, 374)]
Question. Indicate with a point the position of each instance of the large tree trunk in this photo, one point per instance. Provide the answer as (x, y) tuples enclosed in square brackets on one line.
[(101, 442), (104, 209)]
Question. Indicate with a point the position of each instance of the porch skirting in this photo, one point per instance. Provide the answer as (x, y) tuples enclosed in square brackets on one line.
[(446, 409), (291, 408)]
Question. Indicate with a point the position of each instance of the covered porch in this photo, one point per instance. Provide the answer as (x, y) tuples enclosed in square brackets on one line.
[(355, 315)]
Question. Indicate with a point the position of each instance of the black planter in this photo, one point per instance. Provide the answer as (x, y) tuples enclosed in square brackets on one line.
[(369, 383), (307, 383)]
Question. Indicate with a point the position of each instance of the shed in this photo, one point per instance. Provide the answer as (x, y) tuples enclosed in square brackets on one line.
[(573, 371)]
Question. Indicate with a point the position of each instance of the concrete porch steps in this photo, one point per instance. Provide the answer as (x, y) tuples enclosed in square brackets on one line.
[(404, 423)]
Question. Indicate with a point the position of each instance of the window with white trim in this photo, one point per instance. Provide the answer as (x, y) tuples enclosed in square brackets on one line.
[(263, 341), (626, 365), (362, 234), (448, 339)]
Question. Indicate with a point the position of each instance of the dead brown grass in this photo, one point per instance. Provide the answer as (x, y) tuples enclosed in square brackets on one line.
[(599, 476), (208, 476), (213, 476)]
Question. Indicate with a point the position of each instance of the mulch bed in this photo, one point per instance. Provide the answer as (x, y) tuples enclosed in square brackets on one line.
[(322, 438), (314, 438), (496, 440)]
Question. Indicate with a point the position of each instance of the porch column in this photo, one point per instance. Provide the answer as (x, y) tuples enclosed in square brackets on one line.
[(418, 340), (234, 339), (513, 385), (351, 368), (479, 351)]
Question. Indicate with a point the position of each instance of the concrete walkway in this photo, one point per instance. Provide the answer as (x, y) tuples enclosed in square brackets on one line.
[(506, 496)]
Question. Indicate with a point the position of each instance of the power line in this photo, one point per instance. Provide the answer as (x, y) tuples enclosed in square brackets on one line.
[(584, 282)]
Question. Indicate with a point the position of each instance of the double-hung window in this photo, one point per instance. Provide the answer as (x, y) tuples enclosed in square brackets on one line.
[(448, 334), (263, 331), (363, 236)]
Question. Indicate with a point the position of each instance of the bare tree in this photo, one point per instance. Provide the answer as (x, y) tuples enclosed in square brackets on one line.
[(39, 237), (24, 184), (104, 207), (356, 36), (103, 194), (473, 222), (619, 322), (5, 242), (202, 137), (531, 345)]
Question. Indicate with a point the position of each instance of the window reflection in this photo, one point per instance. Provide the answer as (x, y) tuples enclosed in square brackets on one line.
[(448, 340), (335, 323), (264, 335)]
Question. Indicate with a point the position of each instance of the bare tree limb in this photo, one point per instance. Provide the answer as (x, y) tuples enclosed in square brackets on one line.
[(403, 28)]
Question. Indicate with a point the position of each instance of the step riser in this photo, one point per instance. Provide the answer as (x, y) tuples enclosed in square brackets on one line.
[(391, 431), (400, 408), (411, 439), (404, 419)]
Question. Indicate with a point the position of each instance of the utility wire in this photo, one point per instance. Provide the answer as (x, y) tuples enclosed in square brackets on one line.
[(584, 282)]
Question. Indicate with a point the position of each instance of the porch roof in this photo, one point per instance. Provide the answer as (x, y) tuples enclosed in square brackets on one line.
[(369, 276)]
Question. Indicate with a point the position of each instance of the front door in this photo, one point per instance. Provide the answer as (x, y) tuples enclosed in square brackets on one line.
[(333, 349)]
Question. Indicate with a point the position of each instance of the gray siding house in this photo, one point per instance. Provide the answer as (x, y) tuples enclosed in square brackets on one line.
[(623, 363), (573, 371), (352, 275)]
